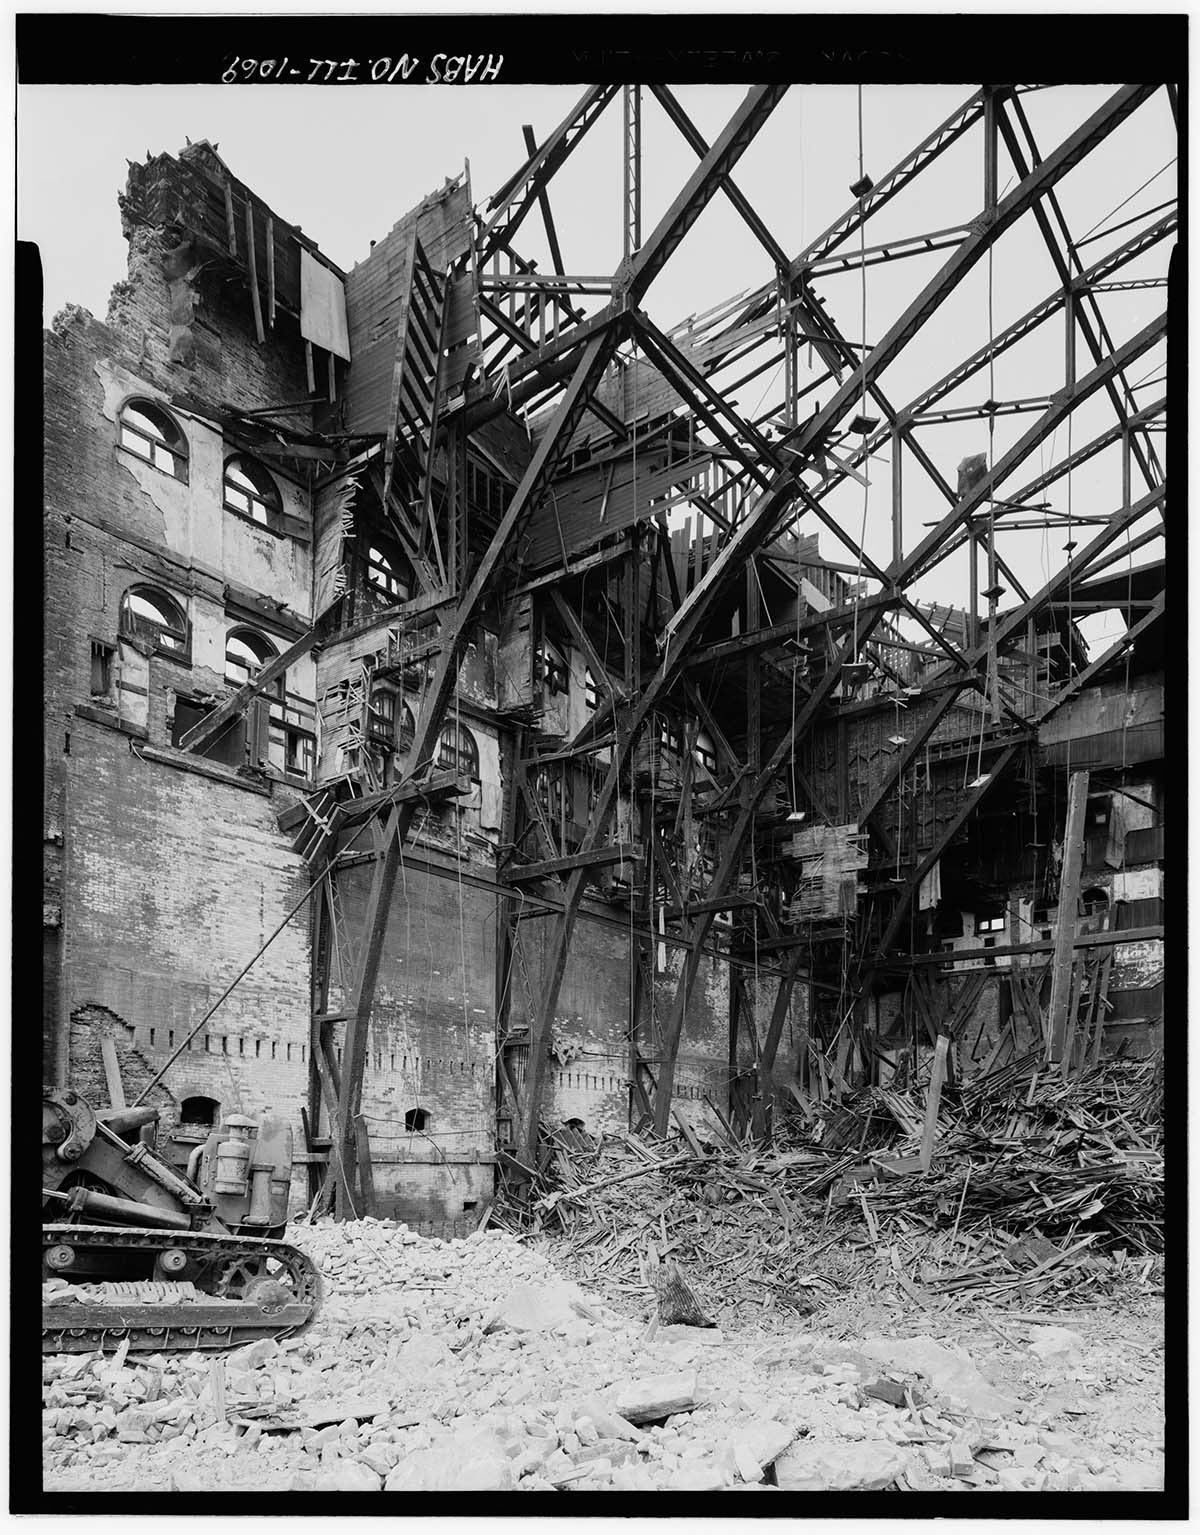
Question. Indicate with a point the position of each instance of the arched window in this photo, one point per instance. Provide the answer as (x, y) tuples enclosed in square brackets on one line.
[(668, 735), (251, 492), (550, 670), (199, 1111), (457, 750), (704, 751), (416, 1119), (246, 653), (381, 718), (1094, 901), (154, 436), (149, 614), (388, 574)]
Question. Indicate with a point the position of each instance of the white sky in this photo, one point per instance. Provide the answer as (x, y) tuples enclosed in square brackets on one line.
[(345, 163)]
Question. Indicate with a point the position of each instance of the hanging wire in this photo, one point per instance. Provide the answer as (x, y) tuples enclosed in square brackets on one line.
[(862, 246)]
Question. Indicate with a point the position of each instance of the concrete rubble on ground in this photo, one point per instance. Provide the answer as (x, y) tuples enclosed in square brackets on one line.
[(472, 1365)]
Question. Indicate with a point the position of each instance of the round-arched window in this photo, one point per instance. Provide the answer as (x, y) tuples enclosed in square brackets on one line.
[(199, 1111), (246, 653), (251, 492), (388, 574), (457, 750), (550, 670), (150, 614), (154, 436)]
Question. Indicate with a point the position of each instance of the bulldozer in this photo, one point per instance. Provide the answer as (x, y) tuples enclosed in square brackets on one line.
[(137, 1255)]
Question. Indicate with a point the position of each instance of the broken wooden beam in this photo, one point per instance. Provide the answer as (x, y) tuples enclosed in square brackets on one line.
[(203, 731), (1068, 901), (937, 1077), (620, 852)]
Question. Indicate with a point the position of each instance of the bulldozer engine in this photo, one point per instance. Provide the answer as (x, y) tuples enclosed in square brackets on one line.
[(245, 1172), (134, 1251)]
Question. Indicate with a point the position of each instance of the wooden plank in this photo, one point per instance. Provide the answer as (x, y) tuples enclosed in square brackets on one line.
[(309, 369), (621, 852), (270, 271), (1068, 901), (204, 730), (937, 1077), (1040, 946), (252, 263), (366, 1172), (230, 221), (112, 1072)]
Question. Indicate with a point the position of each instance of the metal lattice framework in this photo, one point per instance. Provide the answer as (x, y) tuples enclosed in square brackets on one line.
[(600, 382)]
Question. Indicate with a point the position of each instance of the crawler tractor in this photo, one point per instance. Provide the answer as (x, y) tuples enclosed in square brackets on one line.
[(135, 1251)]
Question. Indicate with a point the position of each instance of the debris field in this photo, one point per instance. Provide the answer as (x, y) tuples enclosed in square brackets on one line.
[(474, 1365)]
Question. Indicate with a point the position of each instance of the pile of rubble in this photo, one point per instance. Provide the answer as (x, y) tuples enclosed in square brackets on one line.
[(1039, 1191), (471, 1365)]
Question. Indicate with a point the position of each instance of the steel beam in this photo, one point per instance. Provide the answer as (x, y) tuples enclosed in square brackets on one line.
[(734, 140)]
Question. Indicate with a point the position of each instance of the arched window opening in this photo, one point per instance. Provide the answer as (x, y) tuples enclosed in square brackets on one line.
[(381, 718), (150, 614), (416, 1119), (550, 670), (200, 1111), (457, 750), (388, 574), (251, 492), (668, 735), (705, 752), (246, 653), (1094, 901), (155, 437)]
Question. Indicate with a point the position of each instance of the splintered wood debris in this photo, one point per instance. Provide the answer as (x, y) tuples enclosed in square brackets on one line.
[(1038, 1186)]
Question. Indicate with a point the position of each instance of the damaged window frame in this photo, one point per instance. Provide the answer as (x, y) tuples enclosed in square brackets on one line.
[(263, 500), (387, 575), (153, 437), (458, 750), (169, 632), (550, 670)]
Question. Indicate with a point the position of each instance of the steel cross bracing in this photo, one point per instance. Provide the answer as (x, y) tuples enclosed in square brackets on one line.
[(776, 322)]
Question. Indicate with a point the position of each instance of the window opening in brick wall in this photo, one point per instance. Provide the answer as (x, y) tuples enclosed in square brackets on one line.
[(149, 614), (152, 1039), (273, 1042), (416, 1119), (170, 1039), (705, 752), (389, 574), (199, 1111), (1094, 901), (251, 492), (103, 657), (289, 1052), (989, 924), (241, 1046), (228, 747), (257, 1048), (246, 653), (550, 670), (457, 750), (147, 431), (591, 694)]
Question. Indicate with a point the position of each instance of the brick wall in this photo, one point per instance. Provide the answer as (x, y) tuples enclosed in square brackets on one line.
[(432, 1040), (164, 873)]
